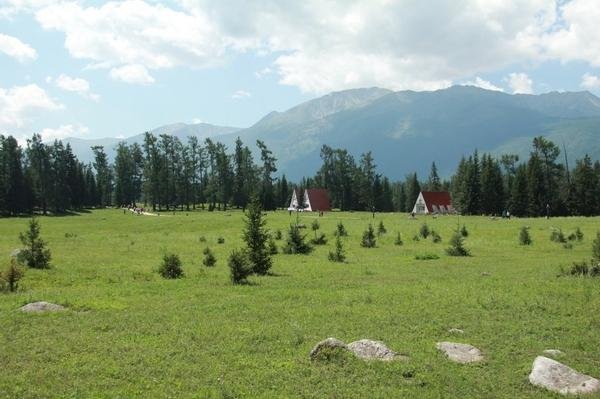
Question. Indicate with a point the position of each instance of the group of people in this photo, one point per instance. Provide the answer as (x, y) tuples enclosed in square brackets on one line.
[(133, 208)]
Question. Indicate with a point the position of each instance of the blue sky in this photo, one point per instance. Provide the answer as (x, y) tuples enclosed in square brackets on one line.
[(99, 69)]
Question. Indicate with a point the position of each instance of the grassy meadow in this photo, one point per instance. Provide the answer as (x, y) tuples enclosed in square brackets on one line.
[(130, 333)]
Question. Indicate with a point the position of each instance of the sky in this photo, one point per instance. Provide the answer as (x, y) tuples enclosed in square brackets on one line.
[(94, 69)]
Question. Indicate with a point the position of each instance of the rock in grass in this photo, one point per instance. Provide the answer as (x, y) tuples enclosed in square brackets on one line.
[(323, 348), (553, 352), (38, 307), (373, 350), (460, 353), (455, 331), (554, 376)]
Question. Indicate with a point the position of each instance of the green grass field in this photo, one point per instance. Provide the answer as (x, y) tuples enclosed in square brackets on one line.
[(130, 333)]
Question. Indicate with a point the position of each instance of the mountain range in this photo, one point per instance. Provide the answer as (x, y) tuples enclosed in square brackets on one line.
[(405, 130)]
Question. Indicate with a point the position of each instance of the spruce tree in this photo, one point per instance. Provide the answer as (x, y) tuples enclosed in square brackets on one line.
[(35, 253), (296, 242), (368, 238), (339, 255), (256, 237)]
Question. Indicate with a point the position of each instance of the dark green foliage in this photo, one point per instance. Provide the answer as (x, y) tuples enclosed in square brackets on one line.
[(341, 230), (381, 229), (209, 257), (321, 239), (278, 234), (9, 279), (256, 237), (416, 238), (171, 267), (220, 240), (426, 257), (35, 254), (457, 246), (557, 236), (524, 236), (435, 237), (398, 241), (315, 225), (578, 234), (240, 266), (368, 238), (596, 248), (339, 254), (463, 231), (424, 231), (202, 239), (579, 269), (296, 242), (567, 245)]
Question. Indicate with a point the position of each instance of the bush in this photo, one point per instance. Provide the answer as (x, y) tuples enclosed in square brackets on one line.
[(557, 236), (368, 238), (457, 247), (426, 257), (339, 255), (171, 267), (341, 230), (209, 257), (35, 254), (464, 232), (416, 238), (381, 230), (320, 240), (435, 237), (315, 225), (202, 239), (296, 242), (524, 236), (398, 241), (256, 237), (272, 247), (11, 276), (578, 234), (240, 266), (596, 248), (278, 234), (220, 240), (567, 245), (424, 231)]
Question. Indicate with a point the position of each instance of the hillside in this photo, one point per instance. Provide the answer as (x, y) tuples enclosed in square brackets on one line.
[(408, 130)]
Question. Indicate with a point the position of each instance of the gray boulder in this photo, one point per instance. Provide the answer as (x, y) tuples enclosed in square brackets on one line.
[(554, 376), (460, 353), (373, 350), (327, 345), (38, 307)]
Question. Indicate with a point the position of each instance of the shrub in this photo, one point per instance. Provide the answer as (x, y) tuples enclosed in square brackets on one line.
[(240, 266), (579, 269), (416, 238), (209, 257), (220, 240), (524, 236), (426, 257), (424, 230), (571, 237), (339, 255), (256, 236), (341, 230), (278, 235), (435, 237), (596, 248), (567, 245), (398, 241), (578, 234), (457, 246), (272, 247), (202, 239), (464, 232), (320, 240), (35, 254), (368, 238), (296, 242), (315, 226), (381, 228), (11, 276), (171, 267), (557, 236)]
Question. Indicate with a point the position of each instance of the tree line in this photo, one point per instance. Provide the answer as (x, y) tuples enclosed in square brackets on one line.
[(165, 173)]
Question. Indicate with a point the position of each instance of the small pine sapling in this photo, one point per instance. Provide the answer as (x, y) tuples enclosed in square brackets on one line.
[(464, 232), (296, 242), (424, 231), (398, 241), (435, 237), (11, 276), (339, 255), (171, 267), (240, 267), (341, 230), (381, 230), (368, 238), (524, 236), (35, 253), (457, 247), (209, 257)]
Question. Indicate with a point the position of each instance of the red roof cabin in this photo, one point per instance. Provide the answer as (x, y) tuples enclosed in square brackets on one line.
[(315, 200), (434, 202)]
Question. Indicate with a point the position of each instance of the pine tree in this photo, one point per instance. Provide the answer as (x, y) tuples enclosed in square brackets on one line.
[(457, 247), (256, 237), (296, 242), (267, 194), (36, 254), (433, 183), (339, 255), (519, 196), (368, 238), (586, 188)]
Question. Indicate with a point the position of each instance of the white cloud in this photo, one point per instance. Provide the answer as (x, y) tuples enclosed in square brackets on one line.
[(20, 104), (520, 83), (196, 121), (589, 81), (484, 84), (76, 85), (135, 74), (16, 49), (64, 131), (240, 94), (263, 72)]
